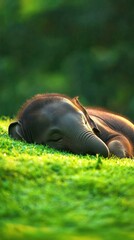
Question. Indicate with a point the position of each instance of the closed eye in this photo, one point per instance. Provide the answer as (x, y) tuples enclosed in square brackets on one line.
[(55, 137), (55, 140)]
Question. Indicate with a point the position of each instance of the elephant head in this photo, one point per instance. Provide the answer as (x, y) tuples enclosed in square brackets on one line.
[(59, 122)]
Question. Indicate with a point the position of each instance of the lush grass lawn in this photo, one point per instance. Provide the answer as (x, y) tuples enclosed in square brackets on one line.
[(45, 194)]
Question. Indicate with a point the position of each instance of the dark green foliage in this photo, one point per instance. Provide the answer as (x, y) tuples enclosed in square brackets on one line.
[(80, 48), (46, 194)]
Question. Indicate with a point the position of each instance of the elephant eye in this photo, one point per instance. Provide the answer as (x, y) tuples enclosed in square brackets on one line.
[(55, 137)]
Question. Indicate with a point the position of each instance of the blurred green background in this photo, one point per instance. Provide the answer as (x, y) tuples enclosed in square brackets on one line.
[(75, 47)]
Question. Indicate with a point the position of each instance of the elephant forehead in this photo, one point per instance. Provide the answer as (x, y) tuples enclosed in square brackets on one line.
[(60, 107)]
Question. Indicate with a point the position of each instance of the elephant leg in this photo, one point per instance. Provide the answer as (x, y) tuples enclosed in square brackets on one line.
[(121, 147)]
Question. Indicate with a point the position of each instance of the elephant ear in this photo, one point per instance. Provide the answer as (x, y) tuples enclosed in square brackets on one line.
[(14, 131), (89, 119)]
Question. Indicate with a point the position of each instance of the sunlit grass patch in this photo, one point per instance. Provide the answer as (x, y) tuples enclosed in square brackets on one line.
[(46, 194)]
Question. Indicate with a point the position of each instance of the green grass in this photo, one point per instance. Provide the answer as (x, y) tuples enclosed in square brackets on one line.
[(45, 194)]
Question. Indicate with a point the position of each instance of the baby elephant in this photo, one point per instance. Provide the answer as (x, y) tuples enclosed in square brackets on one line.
[(64, 124)]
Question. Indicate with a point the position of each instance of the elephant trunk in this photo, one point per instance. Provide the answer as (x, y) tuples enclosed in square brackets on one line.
[(89, 143)]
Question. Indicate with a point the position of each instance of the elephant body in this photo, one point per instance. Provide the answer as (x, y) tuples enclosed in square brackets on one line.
[(64, 124)]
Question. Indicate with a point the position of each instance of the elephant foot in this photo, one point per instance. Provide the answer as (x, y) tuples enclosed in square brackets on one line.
[(121, 147), (116, 148)]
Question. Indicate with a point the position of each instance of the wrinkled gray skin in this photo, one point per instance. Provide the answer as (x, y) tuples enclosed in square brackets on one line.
[(64, 124)]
